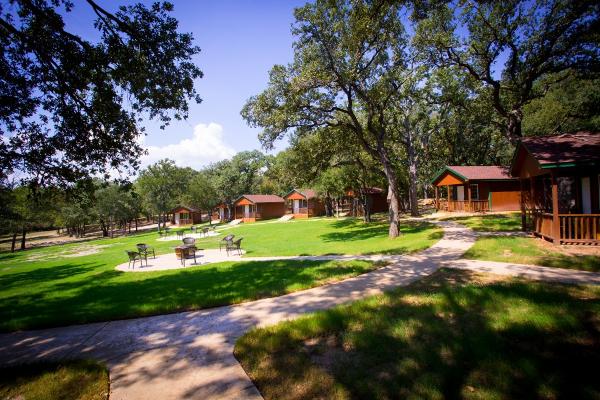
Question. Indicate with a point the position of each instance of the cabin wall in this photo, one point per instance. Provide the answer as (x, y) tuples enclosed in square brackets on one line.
[(505, 196), (271, 210), (316, 207)]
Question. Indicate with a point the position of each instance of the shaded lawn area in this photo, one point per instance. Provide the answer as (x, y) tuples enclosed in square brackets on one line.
[(455, 334), (329, 236), (77, 282), (73, 380), (526, 250), (64, 294), (490, 222)]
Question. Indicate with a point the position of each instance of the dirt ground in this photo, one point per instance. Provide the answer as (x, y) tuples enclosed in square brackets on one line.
[(49, 238)]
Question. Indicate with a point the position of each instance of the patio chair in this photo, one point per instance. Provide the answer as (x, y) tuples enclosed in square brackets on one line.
[(235, 245), (144, 250), (133, 257), (180, 234), (194, 229), (183, 253), (225, 241), (189, 240), (205, 231)]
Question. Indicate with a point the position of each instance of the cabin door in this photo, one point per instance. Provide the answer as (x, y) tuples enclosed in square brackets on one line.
[(247, 211), (296, 206), (176, 218), (460, 193), (586, 196)]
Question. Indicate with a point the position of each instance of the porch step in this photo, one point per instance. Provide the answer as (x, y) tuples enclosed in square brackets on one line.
[(286, 217), (235, 222)]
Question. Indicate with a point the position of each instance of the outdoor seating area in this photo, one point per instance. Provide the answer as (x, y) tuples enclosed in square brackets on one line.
[(140, 255)]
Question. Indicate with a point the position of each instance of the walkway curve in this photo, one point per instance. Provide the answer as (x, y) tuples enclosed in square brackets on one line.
[(190, 354)]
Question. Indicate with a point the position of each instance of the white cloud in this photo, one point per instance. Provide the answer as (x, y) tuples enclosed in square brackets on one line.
[(205, 146)]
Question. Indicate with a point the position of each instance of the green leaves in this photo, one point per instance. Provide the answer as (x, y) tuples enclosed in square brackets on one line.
[(71, 106)]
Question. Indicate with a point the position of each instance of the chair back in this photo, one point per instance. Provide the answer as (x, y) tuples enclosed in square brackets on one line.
[(205, 230), (238, 242), (228, 238), (141, 246), (132, 255), (189, 240)]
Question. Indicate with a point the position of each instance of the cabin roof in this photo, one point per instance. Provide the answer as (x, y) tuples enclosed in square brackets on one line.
[(262, 198), (308, 193), (189, 209), (475, 172), (568, 148)]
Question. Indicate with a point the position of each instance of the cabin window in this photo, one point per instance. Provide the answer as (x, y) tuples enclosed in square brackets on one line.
[(184, 215), (474, 191)]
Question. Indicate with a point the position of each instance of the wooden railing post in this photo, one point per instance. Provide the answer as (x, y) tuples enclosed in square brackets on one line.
[(555, 218)]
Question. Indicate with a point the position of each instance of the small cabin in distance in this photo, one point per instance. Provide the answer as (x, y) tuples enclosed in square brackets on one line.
[(476, 188), (220, 213), (376, 198), (183, 215), (255, 207), (303, 203)]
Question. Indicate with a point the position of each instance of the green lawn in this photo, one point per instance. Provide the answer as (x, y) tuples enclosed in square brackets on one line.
[(329, 236), (74, 380), (77, 283), (454, 335), (527, 250), (490, 222)]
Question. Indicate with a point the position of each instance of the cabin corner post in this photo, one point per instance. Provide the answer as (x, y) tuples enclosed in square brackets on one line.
[(468, 185), (555, 218), (523, 207), (437, 198), (448, 195)]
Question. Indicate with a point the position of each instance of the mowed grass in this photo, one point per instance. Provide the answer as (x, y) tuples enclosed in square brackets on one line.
[(77, 283), (73, 380), (455, 334), (526, 250), (329, 236), (490, 222)]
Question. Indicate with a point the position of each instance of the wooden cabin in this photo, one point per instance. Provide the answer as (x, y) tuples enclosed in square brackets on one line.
[(560, 182), (376, 197), (255, 207), (303, 203), (183, 215), (220, 213), (477, 188)]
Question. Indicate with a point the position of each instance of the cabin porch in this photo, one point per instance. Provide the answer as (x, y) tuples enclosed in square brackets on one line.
[(563, 206)]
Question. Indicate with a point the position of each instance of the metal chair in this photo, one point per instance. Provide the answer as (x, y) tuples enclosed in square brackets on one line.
[(180, 234), (189, 240), (205, 231), (225, 241), (144, 250), (235, 245), (133, 257), (185, 252)]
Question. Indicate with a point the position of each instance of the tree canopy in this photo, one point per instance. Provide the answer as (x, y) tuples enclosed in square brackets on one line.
[(71, 106)]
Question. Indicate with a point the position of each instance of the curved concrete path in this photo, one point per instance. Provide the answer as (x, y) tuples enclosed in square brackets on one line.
[(190, 354)]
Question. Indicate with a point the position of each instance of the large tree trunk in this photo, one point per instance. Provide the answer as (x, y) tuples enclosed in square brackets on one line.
[(412, 176), (513, 127), (23, 233), (392, 180)]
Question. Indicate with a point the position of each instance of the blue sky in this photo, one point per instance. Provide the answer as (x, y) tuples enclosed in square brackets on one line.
[(240, 41)]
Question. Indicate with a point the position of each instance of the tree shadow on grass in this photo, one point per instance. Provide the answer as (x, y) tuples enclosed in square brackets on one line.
[(116, 295), (351, 230), (441, 338)]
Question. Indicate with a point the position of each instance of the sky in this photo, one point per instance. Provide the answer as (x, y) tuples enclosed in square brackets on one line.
[(240, 41)]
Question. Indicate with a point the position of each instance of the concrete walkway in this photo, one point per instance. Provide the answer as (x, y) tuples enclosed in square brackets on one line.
[(190, 354), (534, 272)]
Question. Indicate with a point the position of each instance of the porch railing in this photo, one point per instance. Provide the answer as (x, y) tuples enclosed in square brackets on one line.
[(464, 205), (572, 228)]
